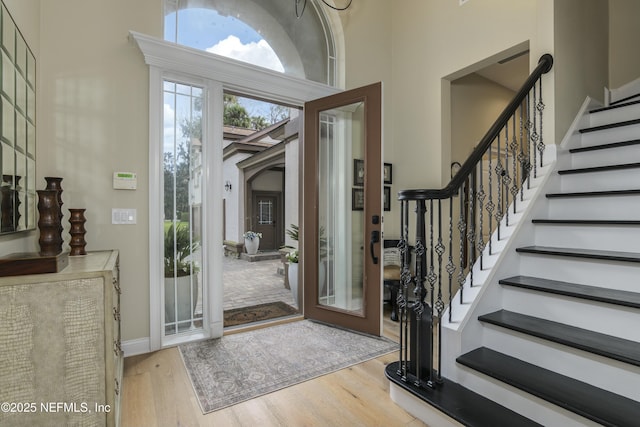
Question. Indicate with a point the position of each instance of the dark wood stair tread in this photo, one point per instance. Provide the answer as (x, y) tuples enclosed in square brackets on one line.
[(606, 146), (587, 221), (606, 193), (610, 126), (576, 290), (461, 404), (606, 168), (582, 253), (617, 104), (584, 399), (593, 342)]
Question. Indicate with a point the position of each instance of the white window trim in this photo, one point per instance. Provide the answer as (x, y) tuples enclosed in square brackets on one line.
[(218, 74)]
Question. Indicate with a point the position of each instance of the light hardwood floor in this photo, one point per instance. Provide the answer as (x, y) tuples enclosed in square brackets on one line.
[(158, 392)]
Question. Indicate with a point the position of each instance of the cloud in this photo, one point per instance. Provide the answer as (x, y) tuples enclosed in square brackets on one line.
[(257, 53)]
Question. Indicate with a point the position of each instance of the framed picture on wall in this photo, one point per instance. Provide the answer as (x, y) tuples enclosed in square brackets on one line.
[(388, 172), (358, 172), (387, 198), (357, 199)]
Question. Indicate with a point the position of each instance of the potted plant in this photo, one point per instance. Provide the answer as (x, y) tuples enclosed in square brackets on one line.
[(292, 272), (252, 242), (180, 273)]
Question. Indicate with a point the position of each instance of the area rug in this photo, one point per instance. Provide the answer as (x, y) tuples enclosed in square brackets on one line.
[(239, 367), (257, 313)]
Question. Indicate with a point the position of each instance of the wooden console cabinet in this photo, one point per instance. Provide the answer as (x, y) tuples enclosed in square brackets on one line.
[(60, 355)]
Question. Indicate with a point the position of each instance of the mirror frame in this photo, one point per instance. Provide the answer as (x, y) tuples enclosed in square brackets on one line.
[(17, 129)]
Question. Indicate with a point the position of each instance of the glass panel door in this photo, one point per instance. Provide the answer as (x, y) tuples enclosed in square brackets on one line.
[(183, 284), (342, 209)]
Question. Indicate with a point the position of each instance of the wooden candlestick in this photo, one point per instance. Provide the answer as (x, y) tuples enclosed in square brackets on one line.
[(77, 232), (49, 222)]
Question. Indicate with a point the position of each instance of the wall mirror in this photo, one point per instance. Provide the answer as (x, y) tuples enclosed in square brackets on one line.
[(17, 129)]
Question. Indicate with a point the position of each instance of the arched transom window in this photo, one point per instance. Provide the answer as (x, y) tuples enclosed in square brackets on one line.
[(267, 33)]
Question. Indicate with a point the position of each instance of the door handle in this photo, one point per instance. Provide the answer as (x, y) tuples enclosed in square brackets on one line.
[(375, 238)]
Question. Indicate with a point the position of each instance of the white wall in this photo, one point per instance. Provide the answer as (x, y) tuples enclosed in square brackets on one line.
[(476, 102), (235, 197), (624, 36), (93, 120)]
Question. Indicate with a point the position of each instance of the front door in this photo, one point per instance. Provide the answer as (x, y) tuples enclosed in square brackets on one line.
[(266, 211), (342, 208)]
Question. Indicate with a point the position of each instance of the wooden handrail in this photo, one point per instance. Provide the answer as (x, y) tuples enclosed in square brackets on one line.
[(544, 66)]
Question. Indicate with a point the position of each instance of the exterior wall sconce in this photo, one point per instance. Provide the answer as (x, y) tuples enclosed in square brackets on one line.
[(227, 186)]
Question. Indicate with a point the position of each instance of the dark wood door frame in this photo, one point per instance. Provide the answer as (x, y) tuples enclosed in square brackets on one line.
[(370, 322)]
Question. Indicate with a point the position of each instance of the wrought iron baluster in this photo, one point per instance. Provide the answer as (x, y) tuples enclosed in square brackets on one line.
[(471, 225), (506, 178), (420, 290), (490, 205), (439, 304), (462, 229), (514, 154), (405, 278), (528, 127), (481, 195), (499, 206), (540, 108), (451, 268), (534, 134), (521, 157)]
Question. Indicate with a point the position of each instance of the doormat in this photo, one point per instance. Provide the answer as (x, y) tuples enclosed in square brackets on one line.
[(239, 367), (256, 313)]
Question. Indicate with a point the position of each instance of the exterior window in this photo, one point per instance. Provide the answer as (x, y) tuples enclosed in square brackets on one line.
[(182, 155), (265, 33)]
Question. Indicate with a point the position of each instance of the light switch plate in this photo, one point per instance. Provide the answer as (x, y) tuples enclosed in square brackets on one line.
[(123, 216)]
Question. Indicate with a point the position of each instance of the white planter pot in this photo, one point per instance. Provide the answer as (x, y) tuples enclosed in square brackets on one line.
[(293, 279), (252, 245), (186, 307)]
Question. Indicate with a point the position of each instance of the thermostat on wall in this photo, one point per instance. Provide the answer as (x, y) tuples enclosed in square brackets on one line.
[(125, 180)]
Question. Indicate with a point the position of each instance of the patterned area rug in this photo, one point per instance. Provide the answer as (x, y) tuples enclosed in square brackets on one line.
[(257, 313), (239, 367)]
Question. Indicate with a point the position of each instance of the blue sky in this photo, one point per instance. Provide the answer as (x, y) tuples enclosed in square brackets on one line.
[(205, 29)]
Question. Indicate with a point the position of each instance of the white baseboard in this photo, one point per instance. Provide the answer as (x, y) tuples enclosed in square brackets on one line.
[(136, 347)]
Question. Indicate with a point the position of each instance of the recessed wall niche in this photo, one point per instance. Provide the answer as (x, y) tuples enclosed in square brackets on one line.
[(17, 129)]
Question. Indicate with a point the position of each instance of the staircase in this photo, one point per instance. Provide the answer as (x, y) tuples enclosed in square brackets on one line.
[(565, 333), (555, 337)]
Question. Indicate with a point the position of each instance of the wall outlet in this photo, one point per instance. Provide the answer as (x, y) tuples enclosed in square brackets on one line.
[(123, 216)]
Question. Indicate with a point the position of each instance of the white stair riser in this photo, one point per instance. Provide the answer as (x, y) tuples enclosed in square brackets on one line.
[(604, 318), (520, 401), (608, 374), (605, 180), (612, 156), (613, 207), (622, 133), (615, 275), (613, 238), (615, 115)]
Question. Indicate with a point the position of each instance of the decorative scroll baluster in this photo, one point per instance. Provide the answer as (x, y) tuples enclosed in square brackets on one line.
[(405, 279), (506, 178), (471, 225), (534, 134), (490, 205), (540, 108), (514, 154), (451, 268), (462, 229), (528, 127), (481, 195), (499, 171), (521, 157)]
